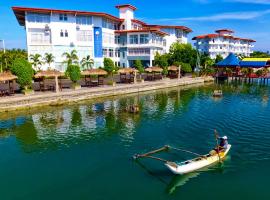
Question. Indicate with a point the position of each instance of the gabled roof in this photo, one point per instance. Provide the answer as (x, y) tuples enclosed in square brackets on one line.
[(230, 61), (224, 36), (126, 6), (20, 13), (139, 22), (142, 31), (224, 30), (184, 28)]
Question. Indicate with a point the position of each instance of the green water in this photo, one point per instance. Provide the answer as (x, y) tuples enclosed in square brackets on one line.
[(84, 151)]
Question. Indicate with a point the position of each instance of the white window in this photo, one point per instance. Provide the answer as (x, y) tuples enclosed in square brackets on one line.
[(38, 18), (117, 53), (138, 51), (144, 39), (61, 33), (117, 39), (84, 20), (40, 36), (133, 39), (106, 23), (63, 17), (84, 36), (108, 38)]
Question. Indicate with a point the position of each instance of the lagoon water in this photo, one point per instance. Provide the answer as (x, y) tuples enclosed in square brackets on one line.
[(85, 151)]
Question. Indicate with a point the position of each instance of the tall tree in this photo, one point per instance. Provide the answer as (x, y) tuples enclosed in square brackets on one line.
[(36, 61), (184, 53), (87, 62), (49, 59), (71, 58), (109, 67)]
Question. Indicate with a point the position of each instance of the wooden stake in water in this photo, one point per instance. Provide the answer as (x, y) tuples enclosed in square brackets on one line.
[(216, 135)]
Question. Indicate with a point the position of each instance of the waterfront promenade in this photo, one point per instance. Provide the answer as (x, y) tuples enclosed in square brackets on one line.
[(40, 99)]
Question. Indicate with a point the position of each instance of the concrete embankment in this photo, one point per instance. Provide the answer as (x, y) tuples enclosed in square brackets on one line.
[(40, 99)]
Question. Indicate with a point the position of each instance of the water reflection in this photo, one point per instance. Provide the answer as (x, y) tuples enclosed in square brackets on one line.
[(60, 127)]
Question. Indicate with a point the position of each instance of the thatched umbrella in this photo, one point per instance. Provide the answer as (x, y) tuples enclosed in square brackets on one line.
[(127, 71), (8, 76), (50, 73), (154, 69), (94, 72), (173, 68)]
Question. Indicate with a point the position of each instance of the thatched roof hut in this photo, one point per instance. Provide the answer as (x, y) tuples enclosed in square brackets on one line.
[(7, 76), (154, 69), (94, 72), (49, 73), (173, 68), (126, 70)]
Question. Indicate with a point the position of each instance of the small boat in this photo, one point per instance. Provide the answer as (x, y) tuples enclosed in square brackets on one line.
[(197, 163), (201, 161), (217, 93)]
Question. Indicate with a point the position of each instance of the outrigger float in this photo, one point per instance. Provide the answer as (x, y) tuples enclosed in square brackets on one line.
[(188, 166)]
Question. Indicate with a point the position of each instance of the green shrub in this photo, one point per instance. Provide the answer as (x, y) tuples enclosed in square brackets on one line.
[(186, 68), (73, 72), (139, 66), (24, 71)]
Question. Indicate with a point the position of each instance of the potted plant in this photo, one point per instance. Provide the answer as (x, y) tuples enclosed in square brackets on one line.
[(24, 71), (74, 73)]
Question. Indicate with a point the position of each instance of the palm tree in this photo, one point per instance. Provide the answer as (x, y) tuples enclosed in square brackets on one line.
[(87, 62), (36, 61), (49, 59), (71, 57)]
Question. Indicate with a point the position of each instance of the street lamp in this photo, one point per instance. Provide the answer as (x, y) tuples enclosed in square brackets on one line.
[(3, 44)]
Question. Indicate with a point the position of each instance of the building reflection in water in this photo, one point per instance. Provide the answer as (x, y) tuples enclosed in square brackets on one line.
[(60, 127)]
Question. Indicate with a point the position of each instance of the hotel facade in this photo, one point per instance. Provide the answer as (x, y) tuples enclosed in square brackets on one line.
[(124, 39), (223, 42)]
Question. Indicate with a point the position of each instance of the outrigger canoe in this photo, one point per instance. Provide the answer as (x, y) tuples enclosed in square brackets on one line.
[(190, 165), (197, 163)]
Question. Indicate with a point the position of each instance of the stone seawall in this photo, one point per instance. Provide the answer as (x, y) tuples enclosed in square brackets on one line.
[(71, 96)]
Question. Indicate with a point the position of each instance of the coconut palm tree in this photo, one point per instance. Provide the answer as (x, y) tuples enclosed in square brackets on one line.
[(36, 61), (87, 62), (49, 59), (71, 58)]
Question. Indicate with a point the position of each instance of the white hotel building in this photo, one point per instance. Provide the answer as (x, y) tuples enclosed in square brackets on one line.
[(222, 43), (124, 39)]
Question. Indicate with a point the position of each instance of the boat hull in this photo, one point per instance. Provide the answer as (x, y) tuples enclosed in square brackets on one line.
[(198, 163)]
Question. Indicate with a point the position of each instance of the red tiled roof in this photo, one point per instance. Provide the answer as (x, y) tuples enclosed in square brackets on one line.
[(141, 31), (224, 36), (126, 6), (20, 13), (139, 22), (184, 28), (224, 30)]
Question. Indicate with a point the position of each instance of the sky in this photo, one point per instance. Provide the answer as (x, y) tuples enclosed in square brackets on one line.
[(248, 18)]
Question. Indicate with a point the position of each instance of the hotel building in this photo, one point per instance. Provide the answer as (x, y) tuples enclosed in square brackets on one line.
[(124, 39), (222, 43)]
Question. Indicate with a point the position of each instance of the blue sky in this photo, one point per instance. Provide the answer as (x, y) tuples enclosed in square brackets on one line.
[(248, 18)]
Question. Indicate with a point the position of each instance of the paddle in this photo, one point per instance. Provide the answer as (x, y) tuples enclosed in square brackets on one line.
[(216, 136)]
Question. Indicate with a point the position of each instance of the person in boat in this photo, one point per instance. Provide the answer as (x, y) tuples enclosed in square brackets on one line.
[(223, 144)]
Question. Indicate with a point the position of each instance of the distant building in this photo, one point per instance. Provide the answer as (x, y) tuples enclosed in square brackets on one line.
[(124, 39), (222, 43)]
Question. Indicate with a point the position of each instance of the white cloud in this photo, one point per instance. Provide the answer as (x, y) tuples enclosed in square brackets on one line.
[(250, 1), (247, 15)]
